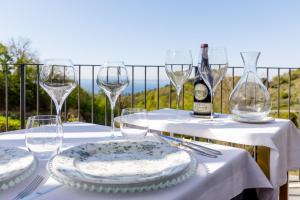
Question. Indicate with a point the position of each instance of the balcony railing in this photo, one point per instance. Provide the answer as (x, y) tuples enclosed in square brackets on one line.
[(155, 71)]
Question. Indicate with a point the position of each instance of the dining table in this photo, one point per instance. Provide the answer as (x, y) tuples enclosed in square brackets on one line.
[(275, 143), (221, 177)]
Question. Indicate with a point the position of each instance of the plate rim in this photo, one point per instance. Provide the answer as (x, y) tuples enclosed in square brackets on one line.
[(265, 120)]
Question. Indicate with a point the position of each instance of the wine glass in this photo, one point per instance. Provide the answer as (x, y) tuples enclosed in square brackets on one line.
[(214, 69), (58, 79), (113, 79), (136, 116), (178, 65), (44, 135)]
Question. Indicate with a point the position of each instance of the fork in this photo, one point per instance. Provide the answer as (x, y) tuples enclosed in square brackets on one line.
[(30, 188)]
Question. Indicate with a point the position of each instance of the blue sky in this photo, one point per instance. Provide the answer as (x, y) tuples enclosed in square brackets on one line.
[(139, 31)]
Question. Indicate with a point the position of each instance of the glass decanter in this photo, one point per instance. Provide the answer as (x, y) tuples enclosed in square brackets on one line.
[(250, 99)]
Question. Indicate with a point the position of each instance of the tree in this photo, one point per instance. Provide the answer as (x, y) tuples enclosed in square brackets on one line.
[(17, 52), (4, 55), (20, 51)]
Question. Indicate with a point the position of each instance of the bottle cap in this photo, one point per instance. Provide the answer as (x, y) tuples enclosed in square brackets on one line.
[(204, 45)]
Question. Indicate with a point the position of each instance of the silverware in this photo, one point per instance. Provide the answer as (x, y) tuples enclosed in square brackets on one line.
[(196, 147), (199, 151), (204, 148), (30, 188), (41, 192)]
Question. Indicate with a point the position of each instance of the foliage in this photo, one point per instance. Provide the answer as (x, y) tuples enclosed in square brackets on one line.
[(13, 124)]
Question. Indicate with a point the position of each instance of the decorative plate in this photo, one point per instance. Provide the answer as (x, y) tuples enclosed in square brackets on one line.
[(15, 165), (253, 121), (122, 166)]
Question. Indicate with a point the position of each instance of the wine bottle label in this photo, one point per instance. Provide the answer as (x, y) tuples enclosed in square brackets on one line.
[(201, 91), (200, 107)]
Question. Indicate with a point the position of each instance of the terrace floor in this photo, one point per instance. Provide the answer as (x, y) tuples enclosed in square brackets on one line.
[(294, 187)]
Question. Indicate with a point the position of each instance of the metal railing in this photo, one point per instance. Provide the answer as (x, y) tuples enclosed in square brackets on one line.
[(21, 69)]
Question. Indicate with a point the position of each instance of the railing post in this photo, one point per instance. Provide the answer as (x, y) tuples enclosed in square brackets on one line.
[(93, 94), (105, 112), (22, 94), (233, 78), (170, 95), (119, 103), (132, 86), (79, 86), (157, 105), (51, 102), (37, 88), (106, 102), (65, 104), (145, 93), (51, 106), (278, 93), (267, 78), (221, 94), (66, 110), (289, 98), (182, 94), (6, 97)]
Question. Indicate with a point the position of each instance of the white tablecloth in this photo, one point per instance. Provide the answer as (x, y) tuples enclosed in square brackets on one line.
[(281, 136), (216, 178)]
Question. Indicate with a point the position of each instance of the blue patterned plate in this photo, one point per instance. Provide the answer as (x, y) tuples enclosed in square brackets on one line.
[(15, 165), (122, 166)]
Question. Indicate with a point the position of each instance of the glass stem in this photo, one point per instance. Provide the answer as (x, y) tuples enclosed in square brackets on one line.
[(178, 97), (112, 119), (58, 109)]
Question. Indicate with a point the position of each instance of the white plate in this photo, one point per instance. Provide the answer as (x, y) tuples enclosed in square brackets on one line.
[(15, 165), (251, 121), (123, 166)]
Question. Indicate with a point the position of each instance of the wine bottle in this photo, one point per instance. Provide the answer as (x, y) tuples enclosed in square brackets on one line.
[(202, 95)]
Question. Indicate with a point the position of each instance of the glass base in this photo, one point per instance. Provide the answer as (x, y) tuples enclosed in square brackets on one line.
[(215, 115), (44, 156), (179, 116), (115, 134)]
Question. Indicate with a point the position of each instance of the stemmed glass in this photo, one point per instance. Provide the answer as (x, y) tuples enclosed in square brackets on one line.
[(178, 65), (215, 70), (58, 78), (113, 79)]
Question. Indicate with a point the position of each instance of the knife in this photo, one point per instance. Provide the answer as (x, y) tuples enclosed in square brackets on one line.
[(192, 145)]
